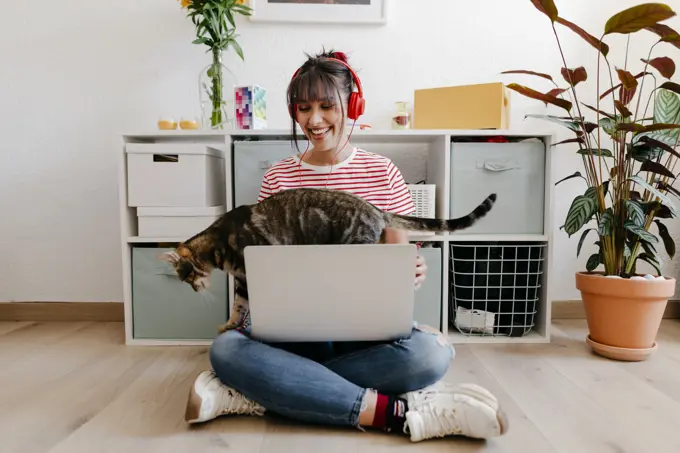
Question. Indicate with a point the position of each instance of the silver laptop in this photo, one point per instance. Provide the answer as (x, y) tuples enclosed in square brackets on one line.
[(331, 292)]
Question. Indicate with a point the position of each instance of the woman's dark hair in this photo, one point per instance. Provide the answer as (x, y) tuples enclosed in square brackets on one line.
[(320, 78)]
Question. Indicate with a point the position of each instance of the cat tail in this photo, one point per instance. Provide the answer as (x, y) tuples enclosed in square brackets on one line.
[(404, 222)]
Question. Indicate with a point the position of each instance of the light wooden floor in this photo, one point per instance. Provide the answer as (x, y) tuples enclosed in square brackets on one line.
[(73, 387)]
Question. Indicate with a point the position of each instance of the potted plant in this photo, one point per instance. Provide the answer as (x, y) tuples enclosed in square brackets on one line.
[(216, 29), (628, 146)]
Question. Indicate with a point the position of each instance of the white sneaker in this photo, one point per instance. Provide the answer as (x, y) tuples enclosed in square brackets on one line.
[(445, 409), (210, 398)]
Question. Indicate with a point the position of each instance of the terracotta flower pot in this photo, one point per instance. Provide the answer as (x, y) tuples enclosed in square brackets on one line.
[(623, 315)]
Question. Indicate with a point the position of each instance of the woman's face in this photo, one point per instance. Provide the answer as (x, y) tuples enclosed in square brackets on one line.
[(322, 122)]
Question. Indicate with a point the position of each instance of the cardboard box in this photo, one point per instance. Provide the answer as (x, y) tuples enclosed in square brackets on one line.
[(482, 106)]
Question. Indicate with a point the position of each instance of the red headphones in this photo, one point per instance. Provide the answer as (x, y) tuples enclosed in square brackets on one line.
[(357, 103)]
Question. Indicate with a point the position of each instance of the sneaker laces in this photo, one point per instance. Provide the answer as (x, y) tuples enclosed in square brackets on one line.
[(437, 420), (233, 402)]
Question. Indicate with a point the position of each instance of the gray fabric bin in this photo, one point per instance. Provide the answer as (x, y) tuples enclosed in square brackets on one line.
[(252, 160), (165, 308), (514, 171)]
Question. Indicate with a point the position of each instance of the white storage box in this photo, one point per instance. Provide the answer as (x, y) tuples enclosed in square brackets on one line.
[(168, 222), (175, 174)]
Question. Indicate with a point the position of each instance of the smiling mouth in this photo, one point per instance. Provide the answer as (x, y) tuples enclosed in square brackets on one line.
[(319, 133)]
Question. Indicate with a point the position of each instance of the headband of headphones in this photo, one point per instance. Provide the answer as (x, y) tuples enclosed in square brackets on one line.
[(356, 103)]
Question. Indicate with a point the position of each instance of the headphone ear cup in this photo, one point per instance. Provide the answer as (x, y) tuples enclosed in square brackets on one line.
[(355, 107)]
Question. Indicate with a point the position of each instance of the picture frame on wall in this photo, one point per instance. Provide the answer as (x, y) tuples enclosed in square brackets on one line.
[(349, 12)]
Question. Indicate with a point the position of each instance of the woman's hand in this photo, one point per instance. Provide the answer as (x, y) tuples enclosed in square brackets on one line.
[(393, 236), (421, 269)]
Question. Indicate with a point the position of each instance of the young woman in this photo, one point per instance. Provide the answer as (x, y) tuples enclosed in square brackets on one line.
[(391, 386)]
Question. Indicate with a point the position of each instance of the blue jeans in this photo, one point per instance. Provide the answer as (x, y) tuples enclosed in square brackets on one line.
[(325, 383)]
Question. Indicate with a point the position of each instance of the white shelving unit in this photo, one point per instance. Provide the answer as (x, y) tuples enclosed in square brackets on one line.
[(419, 154)]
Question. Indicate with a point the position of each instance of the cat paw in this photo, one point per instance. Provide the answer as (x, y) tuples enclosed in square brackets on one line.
[(228, 326)]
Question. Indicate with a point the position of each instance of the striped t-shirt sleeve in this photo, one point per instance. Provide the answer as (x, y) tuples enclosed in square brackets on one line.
[(400, 197), (265, 189)]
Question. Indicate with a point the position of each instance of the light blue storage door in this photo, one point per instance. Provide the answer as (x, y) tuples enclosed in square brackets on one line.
[(165, 308), (252, 160), (428, 299), (514, 171)]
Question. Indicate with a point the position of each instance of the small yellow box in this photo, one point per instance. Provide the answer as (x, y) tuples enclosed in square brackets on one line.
[(481, 106)]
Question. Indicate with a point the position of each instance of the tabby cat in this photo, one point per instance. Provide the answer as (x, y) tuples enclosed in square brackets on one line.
[(293, 217)]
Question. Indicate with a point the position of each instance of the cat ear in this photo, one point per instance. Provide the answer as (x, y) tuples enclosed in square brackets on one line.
[(171, 257)]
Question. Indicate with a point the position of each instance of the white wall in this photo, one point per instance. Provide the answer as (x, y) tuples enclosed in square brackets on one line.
[(76, 74)]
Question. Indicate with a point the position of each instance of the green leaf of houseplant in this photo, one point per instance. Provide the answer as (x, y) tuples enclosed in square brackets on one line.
[(672, 86), (593, 262), (606, 225), (666, 33), (652, 143), (635, 212), (596, 152), (563, 121), (668, 242), (547, 7), (590, 39), (666, 201), (640, 232), (574, 175), (574, 76), (580, 212), (655, 167), (524, 71), (651, 260), (667, 110), (528, 92), (664, 65), (580, 241), (638, 17), (569, 140)]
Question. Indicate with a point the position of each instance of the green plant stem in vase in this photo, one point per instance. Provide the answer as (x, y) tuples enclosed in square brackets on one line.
[(216, 86), (629, 156), (216, 29)]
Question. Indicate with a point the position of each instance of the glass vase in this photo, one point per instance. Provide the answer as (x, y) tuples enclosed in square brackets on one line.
[(401, 118), (216, 93)]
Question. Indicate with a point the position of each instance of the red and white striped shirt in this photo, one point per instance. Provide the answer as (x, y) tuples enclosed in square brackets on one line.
[(370, 176)]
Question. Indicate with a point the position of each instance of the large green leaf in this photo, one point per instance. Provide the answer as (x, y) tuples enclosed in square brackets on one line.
[(657, 168), (638, 17), (580, 212), (640, 232), (664, 199), (593, 262), (668, 242), (606, 224), (667, 110), (635, 212), (583, 238)]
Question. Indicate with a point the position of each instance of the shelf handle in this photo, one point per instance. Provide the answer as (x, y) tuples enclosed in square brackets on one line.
[(497, 166)]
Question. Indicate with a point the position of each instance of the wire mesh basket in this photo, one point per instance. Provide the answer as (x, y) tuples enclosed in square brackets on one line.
[(495, 287)]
